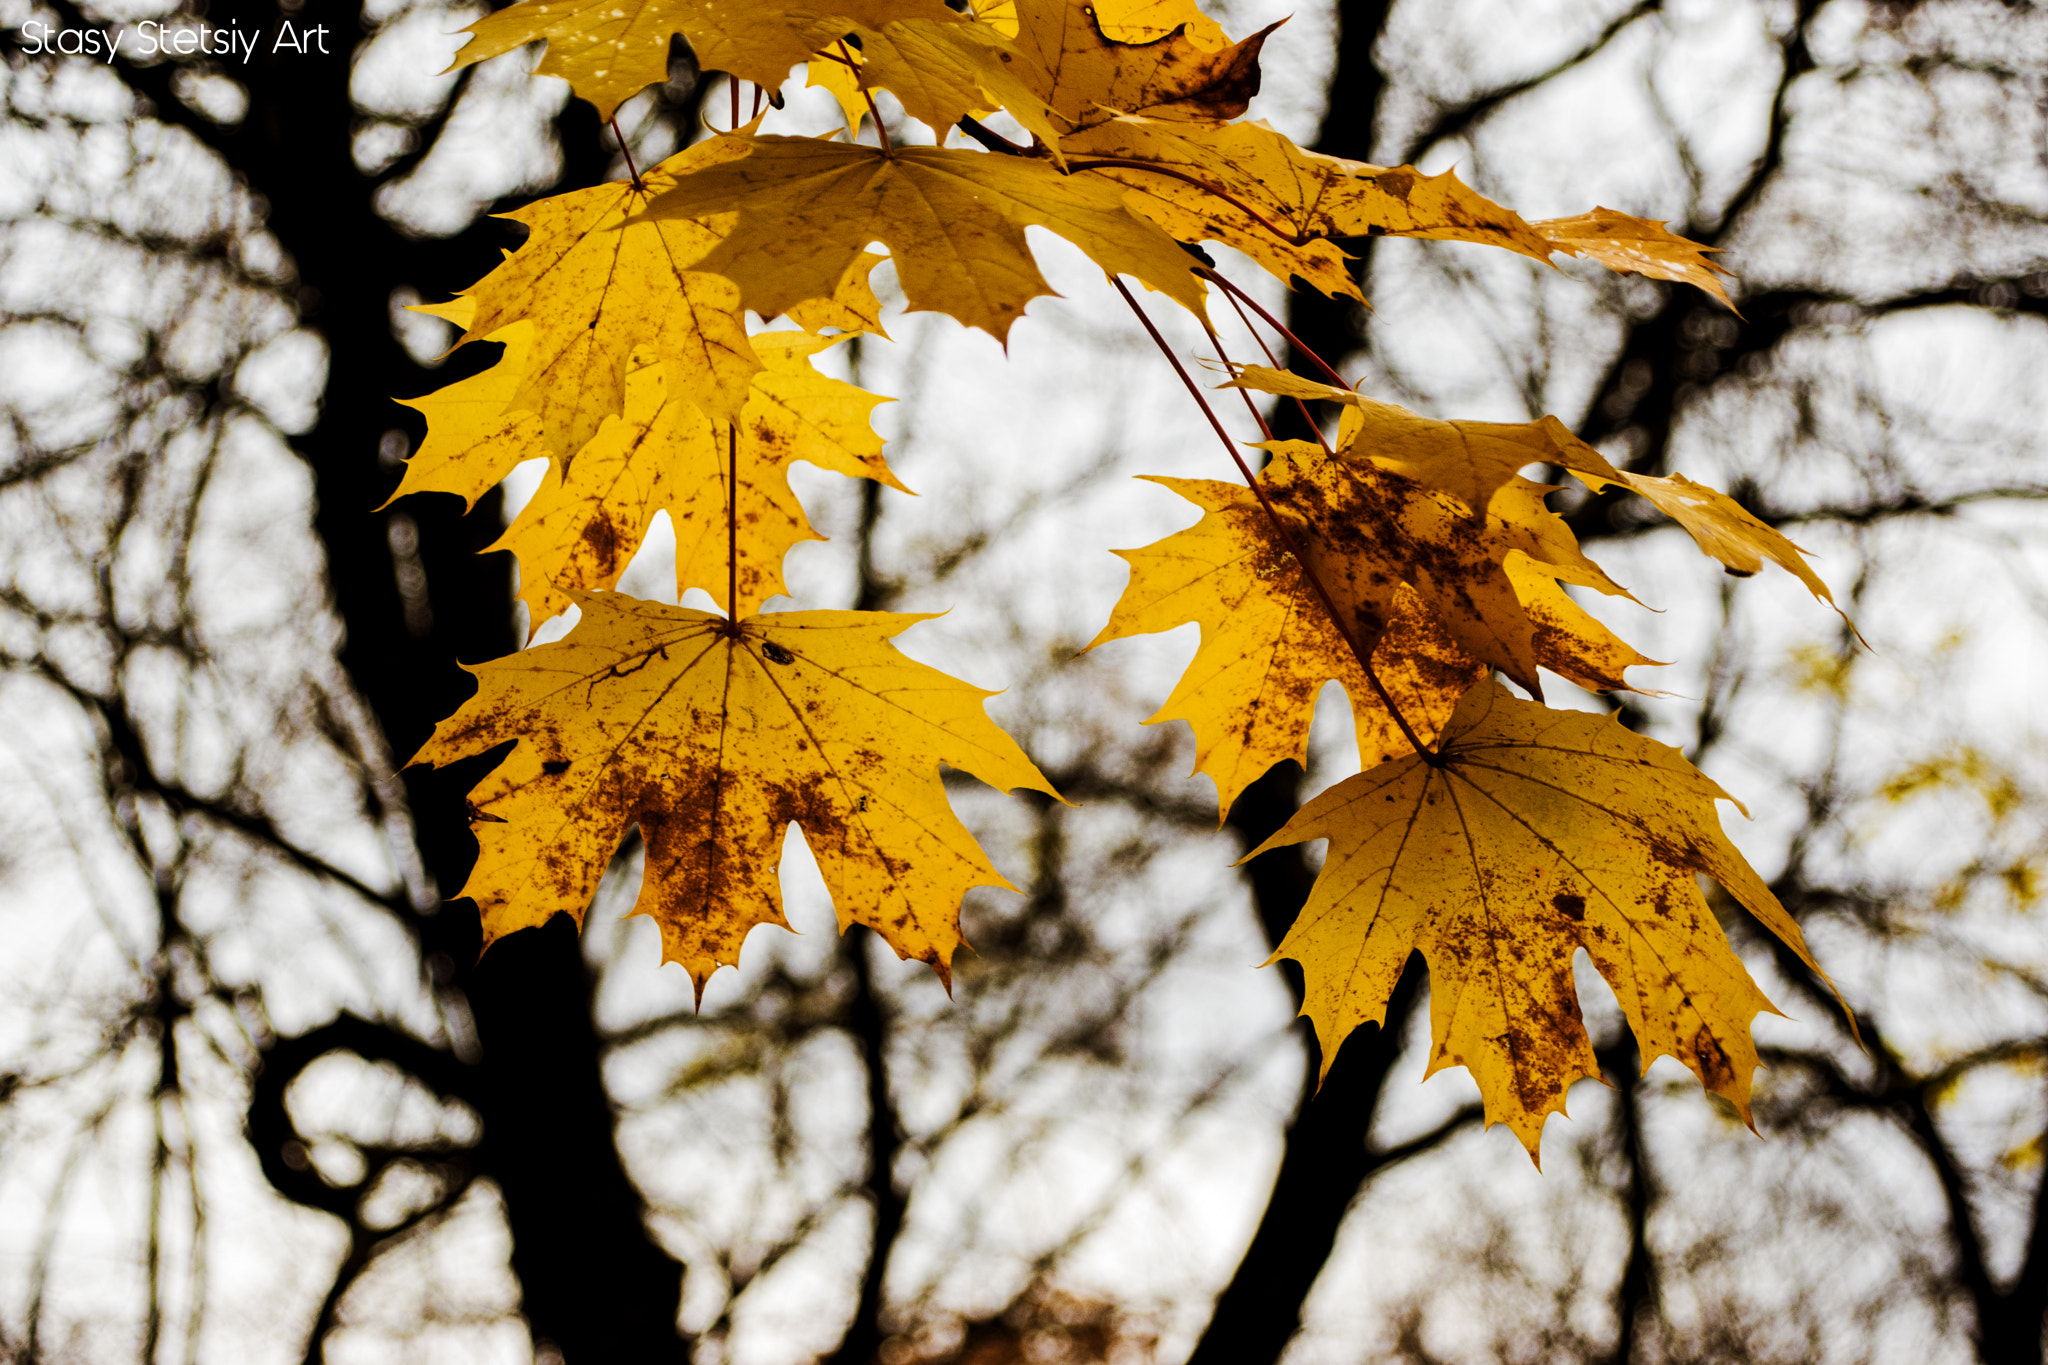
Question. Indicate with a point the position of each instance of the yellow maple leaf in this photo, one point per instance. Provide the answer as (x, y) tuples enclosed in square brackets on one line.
[(1268, 646), (590, 514), (1473, 460), (1535, 833), (663, 454), (1635, 246), (1085, 77), (596, 281), (944, 72), (840, 79), (852, 305), (953, 221), (1373, 529), (1253, 189), (609, 50), (1566, 638), (1404, 567), (473, 439), (713, 739)]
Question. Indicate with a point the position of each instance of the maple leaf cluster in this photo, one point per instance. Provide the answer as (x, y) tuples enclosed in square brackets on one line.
[(1407, 560)]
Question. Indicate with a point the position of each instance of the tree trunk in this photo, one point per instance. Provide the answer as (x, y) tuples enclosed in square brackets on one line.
[(595, 1283)]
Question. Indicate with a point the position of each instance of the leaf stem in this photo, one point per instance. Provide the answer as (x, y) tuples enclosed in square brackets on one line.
[(1249, 405), (627, 152), (1296, 342), (732, 89), (1307, 417), (732, 523), (869, 96), (1422, 751)]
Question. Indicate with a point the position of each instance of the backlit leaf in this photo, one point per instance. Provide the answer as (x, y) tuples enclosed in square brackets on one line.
[(1086, 77), (1635, 246), (953, 221), (1542, 832), (1280, 204), (590, 514), (595, 285), (713, 741), (1268, 647), (609, 50)]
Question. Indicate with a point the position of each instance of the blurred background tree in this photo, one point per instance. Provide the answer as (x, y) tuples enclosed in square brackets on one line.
[(260, 1101)]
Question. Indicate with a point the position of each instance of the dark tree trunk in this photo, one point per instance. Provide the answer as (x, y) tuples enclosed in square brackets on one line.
[(1326, 1158), (595, 1283)]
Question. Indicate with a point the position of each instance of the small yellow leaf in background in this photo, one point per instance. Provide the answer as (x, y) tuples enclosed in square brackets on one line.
[(1541, 833), (2026, 1156), (713, 741)]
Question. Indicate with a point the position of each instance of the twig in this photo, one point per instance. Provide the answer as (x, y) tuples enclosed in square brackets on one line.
[(995, 142)]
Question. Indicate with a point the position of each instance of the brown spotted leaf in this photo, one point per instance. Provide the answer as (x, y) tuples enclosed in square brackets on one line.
[(594, 508), (1268, 647), (1473, 460), (944, 72), (1251, 188), (473, 438), (1147, 21), (1086, 77), (1537, 833), (712, 740), (1375, 529), (1726, 530)]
